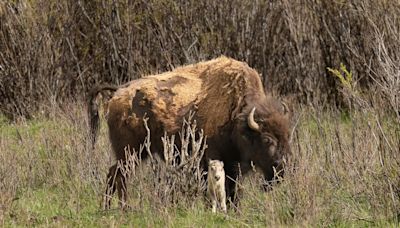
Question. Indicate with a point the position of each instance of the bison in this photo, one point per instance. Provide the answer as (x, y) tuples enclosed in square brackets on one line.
[(244, 125)]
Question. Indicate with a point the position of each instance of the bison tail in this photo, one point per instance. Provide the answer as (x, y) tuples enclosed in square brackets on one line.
[(93, 110)]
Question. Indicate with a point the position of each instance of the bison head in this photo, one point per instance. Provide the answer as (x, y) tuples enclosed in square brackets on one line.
[(262, 136)]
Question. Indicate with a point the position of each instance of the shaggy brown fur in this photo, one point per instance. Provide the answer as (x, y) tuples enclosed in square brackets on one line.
[(222, 92)]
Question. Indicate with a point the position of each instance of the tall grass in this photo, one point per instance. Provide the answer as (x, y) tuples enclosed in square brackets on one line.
[(344, 171)]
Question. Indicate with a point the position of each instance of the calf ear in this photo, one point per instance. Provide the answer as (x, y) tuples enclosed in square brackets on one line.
[(222, 164)]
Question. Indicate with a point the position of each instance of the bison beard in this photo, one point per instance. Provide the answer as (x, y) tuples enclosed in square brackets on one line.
[(242, 123)]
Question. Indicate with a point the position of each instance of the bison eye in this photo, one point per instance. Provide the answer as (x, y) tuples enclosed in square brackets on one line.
[(270, 140)]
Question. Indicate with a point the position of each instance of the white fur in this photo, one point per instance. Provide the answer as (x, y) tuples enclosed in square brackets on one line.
[(216, 184)]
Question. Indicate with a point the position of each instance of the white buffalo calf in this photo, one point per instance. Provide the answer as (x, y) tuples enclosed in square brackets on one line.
[(216, 184)]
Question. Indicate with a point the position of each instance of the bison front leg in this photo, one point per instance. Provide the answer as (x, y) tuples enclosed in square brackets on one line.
[(116, 181), (232, 188)]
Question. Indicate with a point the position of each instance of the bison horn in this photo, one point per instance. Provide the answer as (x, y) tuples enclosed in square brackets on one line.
[(285, 108), (251, 122)]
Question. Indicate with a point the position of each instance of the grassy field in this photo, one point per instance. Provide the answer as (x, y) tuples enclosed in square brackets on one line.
[(344, 171)]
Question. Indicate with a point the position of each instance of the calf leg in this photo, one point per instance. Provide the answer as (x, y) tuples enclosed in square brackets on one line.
[(223, 201), (211, 196), (214, 204)]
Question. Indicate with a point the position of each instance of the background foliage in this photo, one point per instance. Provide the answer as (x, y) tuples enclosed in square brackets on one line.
[(52, 51)]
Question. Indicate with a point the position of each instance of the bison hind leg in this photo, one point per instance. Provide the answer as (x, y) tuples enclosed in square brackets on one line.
[(110, 188), (116, 181)]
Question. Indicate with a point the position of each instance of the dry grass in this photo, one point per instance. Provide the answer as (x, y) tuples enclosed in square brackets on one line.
[(344, 171), (176, 178)]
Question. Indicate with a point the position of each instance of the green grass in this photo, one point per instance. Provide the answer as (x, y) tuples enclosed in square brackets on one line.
[(54, 205), (344, 173)]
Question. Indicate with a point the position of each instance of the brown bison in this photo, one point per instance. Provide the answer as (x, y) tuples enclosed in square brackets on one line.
[(243, 125)]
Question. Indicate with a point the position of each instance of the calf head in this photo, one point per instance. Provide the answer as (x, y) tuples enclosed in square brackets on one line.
[(216, 169)]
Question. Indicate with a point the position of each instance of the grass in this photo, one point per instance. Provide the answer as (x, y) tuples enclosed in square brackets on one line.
[(52, 206), (344, 172)]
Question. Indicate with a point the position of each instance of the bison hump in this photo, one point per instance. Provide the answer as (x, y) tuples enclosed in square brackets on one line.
[(166, 98), (215, 89)]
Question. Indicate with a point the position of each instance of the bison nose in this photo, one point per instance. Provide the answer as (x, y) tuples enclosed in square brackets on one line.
[(279, 167), (278, 164)]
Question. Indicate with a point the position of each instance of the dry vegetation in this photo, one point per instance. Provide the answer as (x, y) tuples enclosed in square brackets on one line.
[(344, 171), (346, 161), (56, 50)]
